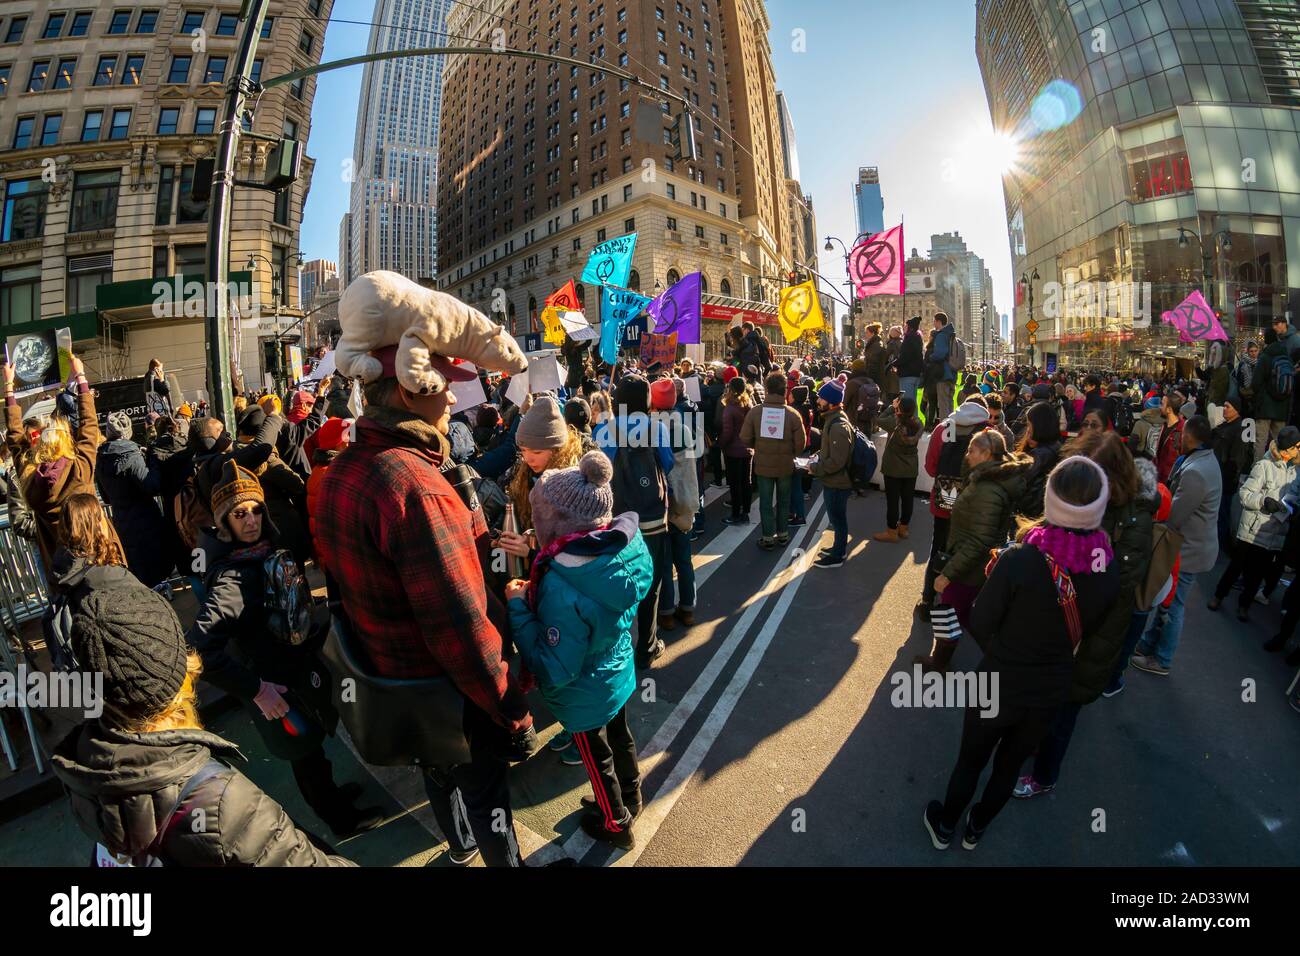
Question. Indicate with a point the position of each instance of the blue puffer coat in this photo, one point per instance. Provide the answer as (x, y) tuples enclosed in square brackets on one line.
[(579, 641)]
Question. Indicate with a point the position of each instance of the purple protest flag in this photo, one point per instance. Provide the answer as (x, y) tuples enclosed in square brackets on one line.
[(1195, 320), (677, 309)]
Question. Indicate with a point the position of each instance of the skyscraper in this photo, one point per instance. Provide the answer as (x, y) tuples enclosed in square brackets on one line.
[(395, 159), (868, 202), (1159, 153), (542, 161)]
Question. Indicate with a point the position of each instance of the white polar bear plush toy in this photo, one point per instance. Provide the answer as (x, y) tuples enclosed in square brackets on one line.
[(385, 308)]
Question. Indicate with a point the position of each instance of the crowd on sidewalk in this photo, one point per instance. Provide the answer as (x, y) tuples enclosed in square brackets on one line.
[(537, 548)]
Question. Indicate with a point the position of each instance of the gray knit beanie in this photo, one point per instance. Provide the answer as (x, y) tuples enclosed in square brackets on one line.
[(118, 425), (571, 500), (132, 636), (542, 426)]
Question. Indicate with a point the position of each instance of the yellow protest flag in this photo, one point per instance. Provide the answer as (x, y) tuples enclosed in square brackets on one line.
[(554, 331), (800, 310)]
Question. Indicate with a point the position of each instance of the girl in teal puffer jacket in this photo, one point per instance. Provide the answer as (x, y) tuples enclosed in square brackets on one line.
[(572, 623)]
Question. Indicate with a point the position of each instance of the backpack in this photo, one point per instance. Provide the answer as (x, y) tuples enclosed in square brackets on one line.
[(1166, 544), (286, 598), (947, 480), (957, 354), (639, 485), (868, 405), (148, 857), (862, 463), (1281, 376), (191, 513), (1121, 414)]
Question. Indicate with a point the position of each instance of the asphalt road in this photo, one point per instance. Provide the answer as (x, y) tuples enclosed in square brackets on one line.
[(767, 736)]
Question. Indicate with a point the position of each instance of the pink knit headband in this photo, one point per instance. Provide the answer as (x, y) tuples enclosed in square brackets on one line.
[(1076, 517)]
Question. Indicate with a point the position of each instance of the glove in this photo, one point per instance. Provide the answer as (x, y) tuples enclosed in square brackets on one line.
[(1272, 506)]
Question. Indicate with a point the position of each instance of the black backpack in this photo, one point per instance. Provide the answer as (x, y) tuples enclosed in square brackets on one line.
[(286, 598), (639, 485), (1121, 414), (868, 406)]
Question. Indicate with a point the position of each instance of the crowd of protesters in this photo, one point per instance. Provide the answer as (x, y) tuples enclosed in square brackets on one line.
[(545, 545)]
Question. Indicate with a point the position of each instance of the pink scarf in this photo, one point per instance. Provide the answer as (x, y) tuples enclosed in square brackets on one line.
[(1072, 550), (543, 559)]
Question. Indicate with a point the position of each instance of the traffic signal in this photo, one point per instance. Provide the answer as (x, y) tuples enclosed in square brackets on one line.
[(283, 164), (683, 138)]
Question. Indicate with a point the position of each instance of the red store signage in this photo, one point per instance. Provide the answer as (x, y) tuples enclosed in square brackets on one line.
[(728, 314)]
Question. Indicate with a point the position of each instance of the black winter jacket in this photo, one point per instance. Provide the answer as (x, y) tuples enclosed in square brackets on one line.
[(1018, 623), (123, 787), (1045, 458), (129, 483), (911, 358), (292, 439)]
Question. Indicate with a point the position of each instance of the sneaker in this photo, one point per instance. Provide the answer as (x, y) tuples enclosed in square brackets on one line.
[(1145, 662), (1114, 689), (561, 741), (643, 661), (797, 522), (828, 561), (783, 538), (888, 536), (1261, 598), (940, 835), (523, 745), (571, 757), (695, 535), (462, 857), (729, 519), (767, 544), (594, 827), (970, 837), (1027, 787), (687, 617)]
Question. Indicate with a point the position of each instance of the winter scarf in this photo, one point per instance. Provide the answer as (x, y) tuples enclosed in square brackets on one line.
[(1076, 551)]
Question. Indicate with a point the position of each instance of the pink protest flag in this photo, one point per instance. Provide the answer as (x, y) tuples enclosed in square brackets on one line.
[(1195, 320), (876, 263)]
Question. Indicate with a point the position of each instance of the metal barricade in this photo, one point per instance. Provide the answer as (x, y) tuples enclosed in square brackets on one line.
[(22, 598)]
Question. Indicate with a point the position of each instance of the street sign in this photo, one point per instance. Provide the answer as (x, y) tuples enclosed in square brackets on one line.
[(1031, 326), (1033, 339)]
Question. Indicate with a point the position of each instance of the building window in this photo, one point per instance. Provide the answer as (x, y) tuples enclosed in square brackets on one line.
[(148, 21), (24, 210), (94, 200), (120, 22), (290, 129), (187, 210), (577, 243), (20, 294), (161, 269), (725, 287), (191, 260), (23, 131), (722, 207), (193, 20), (91, 125), (629, 225), (205, 120), (672, 224), (180, 70), (216, 71), (17, 27), (167, 120), (256, 73), (104, 71), (699, 232), (722, 238), (281, 256), (295, 88), (63, 78), (50, 127), (40, 72), (80, 24), (4, 79), (627, 192), (266, 28), (163, 207), (305, 42), (282, 206), (600, 236), (121, 124), (672, 191), (53, 26), (226, 24), (85, 274), (133, 70)]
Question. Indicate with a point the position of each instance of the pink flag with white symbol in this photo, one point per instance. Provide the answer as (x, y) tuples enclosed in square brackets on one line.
[(876, 263), (1195, 320)]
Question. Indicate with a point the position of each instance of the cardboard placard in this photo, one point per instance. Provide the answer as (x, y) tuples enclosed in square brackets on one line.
[(691, 387), (40, 359), (468, 394), (546, 374), (517, 390), (773, 423)]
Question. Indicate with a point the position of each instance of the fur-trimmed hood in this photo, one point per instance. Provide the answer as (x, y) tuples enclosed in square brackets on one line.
[(1016, 464), (1148, 493)]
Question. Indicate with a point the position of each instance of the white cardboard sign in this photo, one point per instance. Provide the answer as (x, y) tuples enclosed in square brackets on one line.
[(773, 423)]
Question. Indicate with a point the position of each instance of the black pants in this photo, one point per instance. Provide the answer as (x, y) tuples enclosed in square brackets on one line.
[(937, 545), (899, 492), (647, 612), (1251, 563), (1015, 732), (1051, 752), (315, 779), (471, 801), (609, 754), (741, 485), (715, 461)]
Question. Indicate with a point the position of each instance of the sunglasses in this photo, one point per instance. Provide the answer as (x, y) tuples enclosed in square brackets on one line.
[(243, 513), (1092, 426)]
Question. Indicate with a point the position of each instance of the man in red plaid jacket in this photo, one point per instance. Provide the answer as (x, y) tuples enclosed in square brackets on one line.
[(403, 550)]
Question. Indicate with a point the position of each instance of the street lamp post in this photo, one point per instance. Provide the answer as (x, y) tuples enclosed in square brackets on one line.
[(853, 295), (1027, 282)]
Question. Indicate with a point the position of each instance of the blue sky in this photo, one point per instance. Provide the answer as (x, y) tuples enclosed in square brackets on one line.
[(877, 84)]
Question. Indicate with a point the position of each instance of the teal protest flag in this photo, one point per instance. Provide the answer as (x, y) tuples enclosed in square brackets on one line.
[(610, 263), (617, 308)]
